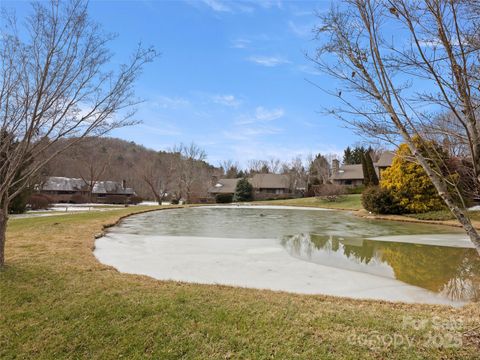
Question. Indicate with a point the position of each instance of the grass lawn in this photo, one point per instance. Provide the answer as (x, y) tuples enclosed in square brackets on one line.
[(346, 202), (58, 302), (443, 215)]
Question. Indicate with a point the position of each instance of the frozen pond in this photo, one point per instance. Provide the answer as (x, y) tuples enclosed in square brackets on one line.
[(307, 251)]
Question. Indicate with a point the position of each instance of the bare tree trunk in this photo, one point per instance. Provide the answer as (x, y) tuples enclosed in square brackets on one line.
[(3, 230), (157, 196)]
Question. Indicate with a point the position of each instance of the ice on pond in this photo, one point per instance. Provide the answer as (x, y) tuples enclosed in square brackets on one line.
[(294, 250)]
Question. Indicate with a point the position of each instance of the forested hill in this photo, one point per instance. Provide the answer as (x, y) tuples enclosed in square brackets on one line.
[(146, 170)]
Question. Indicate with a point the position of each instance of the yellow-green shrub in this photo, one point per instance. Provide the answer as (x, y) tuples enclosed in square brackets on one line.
[(410, 185)]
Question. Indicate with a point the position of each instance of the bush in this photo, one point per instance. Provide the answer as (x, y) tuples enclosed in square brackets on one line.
[(40, 202), (223, 198), (174, 202), (115, 199), (135, 199), (79, 199), (410, 184), (356, 189), (329, 192), (380, 201), (19, 203)]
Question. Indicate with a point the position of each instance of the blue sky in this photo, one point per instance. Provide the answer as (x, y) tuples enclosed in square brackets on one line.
[(231, 76)]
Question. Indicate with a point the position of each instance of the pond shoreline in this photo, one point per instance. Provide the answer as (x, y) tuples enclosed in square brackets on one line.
[(365, 214), (401, 218), (129, 250)]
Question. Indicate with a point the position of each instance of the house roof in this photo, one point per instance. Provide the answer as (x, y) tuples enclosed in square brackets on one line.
[(355, 172), (224, 186), (349, 172), (55, 183), (258, 181), (270, 181), (111, 187), (385, 159)]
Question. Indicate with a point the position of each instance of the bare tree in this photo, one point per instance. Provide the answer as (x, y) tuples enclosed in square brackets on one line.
[(258, 167), (189, 167), (92, 161), (54, 84), (270, 166), (435, 46), (159, 173), (274, 165), (230, 169), (319, 167), (295, 170)]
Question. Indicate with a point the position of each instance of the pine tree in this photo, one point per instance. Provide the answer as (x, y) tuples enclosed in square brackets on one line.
[(243, 191), (370, 177), (347, 156), (366, 172)]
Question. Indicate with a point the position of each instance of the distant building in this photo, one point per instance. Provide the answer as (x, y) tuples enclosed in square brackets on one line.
[(352, 175), (270, 184), (72, 190), (223, 186), (264, 186)]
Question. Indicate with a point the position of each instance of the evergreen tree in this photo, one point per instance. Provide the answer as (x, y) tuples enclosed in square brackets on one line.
[(352, 157), (347, 156), (366, 174), (370, 177), (243, 191)]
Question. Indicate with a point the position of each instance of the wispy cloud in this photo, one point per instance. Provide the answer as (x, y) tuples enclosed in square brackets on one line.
[(240, 43), (227, 100), (269, 61), (248, 133), (303, 30), (268, 4), (260, 115), (217, 5), (224, 6), (166, 102), (263, 114), (162, 129), (309, 70)]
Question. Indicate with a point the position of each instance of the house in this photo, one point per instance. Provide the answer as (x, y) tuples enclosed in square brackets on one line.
[(265, 186), (352, 175), (73, 190), (223, 186)]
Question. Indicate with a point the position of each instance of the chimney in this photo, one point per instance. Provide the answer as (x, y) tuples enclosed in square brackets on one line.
[(214, 180), (335, 166)]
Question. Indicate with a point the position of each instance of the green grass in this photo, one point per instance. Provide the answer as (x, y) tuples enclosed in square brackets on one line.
[(58, 302), (443, 215), (345, 202)]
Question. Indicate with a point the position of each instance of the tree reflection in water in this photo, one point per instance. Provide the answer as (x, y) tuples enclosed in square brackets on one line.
[(449, 271)]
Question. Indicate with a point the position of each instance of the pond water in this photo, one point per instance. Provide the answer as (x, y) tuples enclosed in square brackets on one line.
[(307, 251)]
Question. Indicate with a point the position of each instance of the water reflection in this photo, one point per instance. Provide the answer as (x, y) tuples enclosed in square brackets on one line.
[(451, 272)]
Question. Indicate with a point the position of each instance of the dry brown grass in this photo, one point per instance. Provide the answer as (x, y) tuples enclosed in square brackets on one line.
[(58, 302)]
